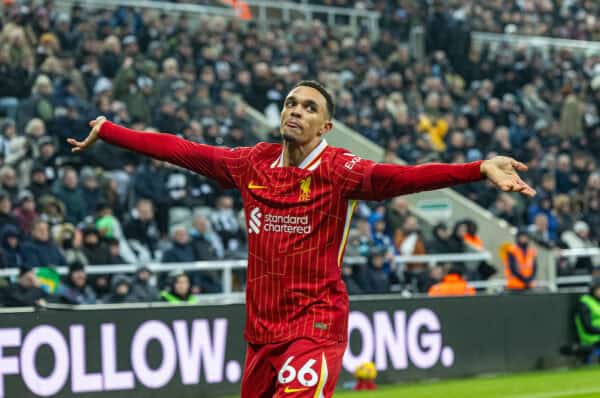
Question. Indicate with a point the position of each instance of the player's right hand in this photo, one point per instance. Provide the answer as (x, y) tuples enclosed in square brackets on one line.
[(92, 137)]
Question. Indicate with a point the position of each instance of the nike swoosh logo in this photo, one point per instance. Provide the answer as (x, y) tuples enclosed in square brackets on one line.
[(288, 390), (254, 186)]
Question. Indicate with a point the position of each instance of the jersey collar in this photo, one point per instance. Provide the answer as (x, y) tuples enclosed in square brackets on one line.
[(310, 162)]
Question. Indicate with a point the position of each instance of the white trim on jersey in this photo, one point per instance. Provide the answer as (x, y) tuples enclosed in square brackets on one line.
[(315, 153), (349, 213), (322, 378)]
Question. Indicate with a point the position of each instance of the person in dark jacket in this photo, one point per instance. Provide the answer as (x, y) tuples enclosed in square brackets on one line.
[(142, 226), (12, 251), (182, 250), (120, 291), (26, 292), (42, 251), (6, 216), (378, 278), (76, 289), (39, 186), (71, 195), (142, 288), (93, 249), (441, 240)]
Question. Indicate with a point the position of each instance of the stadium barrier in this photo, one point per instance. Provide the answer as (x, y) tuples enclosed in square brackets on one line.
[(538, 43), (158, 350), (226, 267), (264, 12)]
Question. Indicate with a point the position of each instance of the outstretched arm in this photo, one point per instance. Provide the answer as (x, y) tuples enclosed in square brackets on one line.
[(203, 159), (385, 181)]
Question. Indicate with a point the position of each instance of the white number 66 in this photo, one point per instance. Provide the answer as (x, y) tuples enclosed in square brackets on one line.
[(306, 376)]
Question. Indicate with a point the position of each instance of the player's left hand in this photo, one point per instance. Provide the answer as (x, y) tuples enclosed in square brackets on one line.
[(502, 172)]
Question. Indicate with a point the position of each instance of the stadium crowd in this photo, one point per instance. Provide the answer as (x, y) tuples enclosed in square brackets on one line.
[(153, 71), (567, 19)]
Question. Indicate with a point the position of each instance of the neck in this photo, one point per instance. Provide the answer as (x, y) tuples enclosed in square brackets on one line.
[(294, 153)]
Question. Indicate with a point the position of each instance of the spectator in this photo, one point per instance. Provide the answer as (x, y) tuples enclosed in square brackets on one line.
[(76, 290), (207, 244), (408, 242), (377, 278), (9, 183), (68, 239), (143, 289), (90, 190), (142, 231), (179, 290), (397, 213), (453, 284), (225, 223), (520, 264), (441, 240), (182, 250), (25, 212), (120, 291), (579, 238), (39, 183), (70, 194), (540, 231), (114, 251), (150, 182), (13, 254), (93, 248), (587, 320), (41, 251), (504, 208), (26, 292), (6, 217)]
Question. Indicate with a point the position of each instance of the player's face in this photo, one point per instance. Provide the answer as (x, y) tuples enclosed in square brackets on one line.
[(304, 116)]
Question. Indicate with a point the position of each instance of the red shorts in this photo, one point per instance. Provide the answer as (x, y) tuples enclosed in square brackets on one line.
[(300, 368)]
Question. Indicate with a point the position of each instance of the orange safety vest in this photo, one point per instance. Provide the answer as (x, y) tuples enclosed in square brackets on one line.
[(473, 241), (525, 263), (451, 285)]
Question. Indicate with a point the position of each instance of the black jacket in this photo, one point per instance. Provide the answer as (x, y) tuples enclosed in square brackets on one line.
[(17, 296)]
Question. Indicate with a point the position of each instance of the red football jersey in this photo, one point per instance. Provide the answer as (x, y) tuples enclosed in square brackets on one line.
[(298, 220)]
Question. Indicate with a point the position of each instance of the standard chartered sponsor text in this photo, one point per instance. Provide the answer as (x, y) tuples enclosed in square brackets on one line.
[(287, 224)]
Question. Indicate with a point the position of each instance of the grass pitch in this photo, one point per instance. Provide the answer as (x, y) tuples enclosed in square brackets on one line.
[(579, 383)]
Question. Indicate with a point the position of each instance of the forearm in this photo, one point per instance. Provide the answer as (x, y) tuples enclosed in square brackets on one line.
[(200, 158), (387, 181)]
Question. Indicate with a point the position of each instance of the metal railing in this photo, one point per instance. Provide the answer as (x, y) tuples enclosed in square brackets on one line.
[(433, 259), (226, 267), (536, 42), (266, 12), (288, 11), (163, 6)]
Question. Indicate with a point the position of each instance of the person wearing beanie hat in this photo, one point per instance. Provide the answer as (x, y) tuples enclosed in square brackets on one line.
[(76, 289), (587, 320), (120, 291), (143, 289)]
